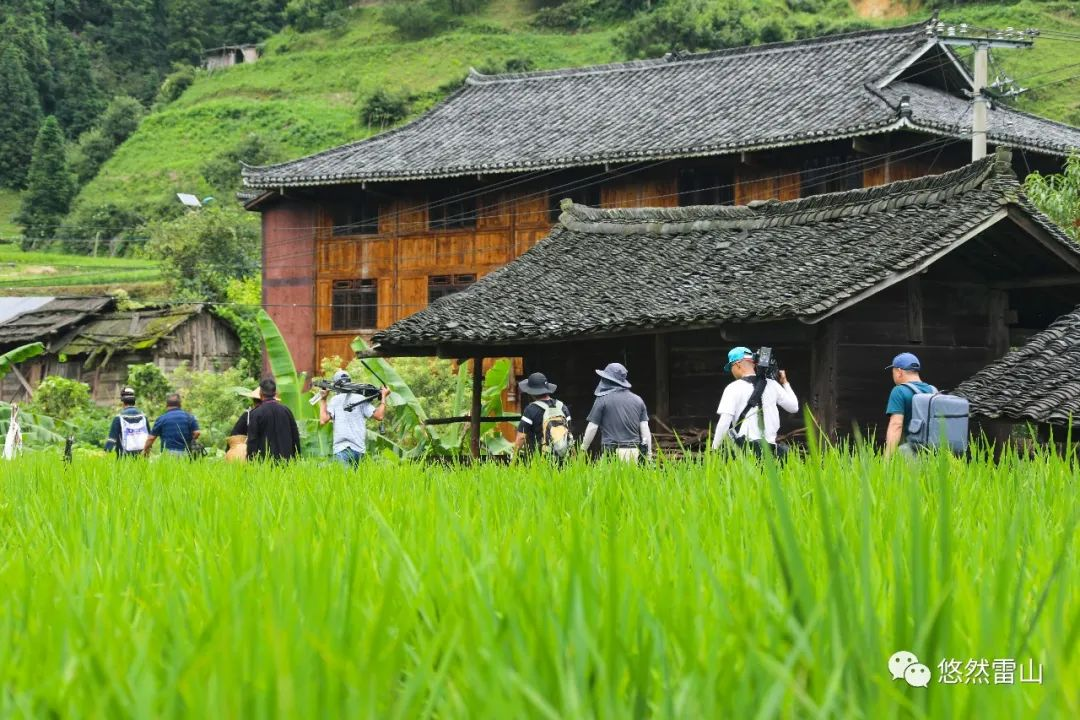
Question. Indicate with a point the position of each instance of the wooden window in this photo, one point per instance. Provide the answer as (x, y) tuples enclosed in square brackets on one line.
[(452, 214), (359, 216), (588, 196), (706, 186), (831, 173), (443, 285), (354, 305)]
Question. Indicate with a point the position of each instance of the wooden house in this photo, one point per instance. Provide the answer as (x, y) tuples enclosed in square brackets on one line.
[(360, 236), (953, 267), (87, 339)]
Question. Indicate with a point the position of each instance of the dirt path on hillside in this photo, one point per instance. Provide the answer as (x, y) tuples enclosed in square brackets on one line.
[(879, 9)]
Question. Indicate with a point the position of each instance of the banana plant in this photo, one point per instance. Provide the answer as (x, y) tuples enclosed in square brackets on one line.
[(408, 415), (316, 439)]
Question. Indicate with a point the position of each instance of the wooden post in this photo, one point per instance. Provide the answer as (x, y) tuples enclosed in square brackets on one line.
[(914, 310), (662, 408), (477, 392), (823, 377), (997, 339)]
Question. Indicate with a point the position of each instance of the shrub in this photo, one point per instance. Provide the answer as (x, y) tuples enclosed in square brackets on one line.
[(210, 395), (690, 25), (223, 170), (105, 226), (308, 15), (417, 19), (175, 84), (61, 398), (383, 108), (150, 384)]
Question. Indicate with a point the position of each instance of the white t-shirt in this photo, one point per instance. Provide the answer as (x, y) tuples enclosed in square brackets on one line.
[(350, 428), (738, 393)]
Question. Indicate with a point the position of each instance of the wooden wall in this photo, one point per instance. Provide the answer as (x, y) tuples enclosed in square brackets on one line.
[(301, 266)]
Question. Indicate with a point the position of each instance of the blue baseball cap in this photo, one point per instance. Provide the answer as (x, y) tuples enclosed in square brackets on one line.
[(904, 361), (736, 354)]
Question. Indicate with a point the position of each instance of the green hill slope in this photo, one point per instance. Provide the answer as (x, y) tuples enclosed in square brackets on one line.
[(302, 95)]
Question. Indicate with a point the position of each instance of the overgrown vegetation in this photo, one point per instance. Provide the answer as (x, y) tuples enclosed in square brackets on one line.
[(1058, 195)]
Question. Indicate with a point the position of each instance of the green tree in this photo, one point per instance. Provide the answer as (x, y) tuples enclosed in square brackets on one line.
[(76, 98), (61, 398), (50, 186), (1058, 195), (120, 119), (20, 118), (204, 249)]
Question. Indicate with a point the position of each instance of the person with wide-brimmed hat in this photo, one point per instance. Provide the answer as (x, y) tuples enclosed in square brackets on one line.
[(619, 415), (545, 421), (237, 441)]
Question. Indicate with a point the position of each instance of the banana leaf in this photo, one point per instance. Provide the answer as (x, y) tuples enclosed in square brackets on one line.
[(37, 429), (12, 358), (315, 439)]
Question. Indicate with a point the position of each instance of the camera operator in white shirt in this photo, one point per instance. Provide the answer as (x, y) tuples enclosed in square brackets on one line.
[(760, 420)]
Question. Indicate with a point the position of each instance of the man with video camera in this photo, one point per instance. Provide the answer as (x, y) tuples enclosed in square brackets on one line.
[(748, 408), (349, 413)]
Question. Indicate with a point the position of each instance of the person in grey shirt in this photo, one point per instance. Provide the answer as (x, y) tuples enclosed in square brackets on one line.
[(349, 416), (620, 417)]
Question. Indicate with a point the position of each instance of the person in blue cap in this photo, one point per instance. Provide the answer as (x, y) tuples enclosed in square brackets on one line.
[(905, 369), (748, 411)]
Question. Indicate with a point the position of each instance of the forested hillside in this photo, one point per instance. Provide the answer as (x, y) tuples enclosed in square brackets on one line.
[(136, 119)]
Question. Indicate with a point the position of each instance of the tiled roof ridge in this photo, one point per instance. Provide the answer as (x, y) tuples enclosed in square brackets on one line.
[(774, 213), (674, 59)]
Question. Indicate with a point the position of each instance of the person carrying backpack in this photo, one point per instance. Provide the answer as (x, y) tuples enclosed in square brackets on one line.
[(545, 422), (749, 407), (919, 415), (130, 429)]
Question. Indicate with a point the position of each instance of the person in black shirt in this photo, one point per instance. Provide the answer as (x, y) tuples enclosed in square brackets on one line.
[(530, 430), (272, 431)]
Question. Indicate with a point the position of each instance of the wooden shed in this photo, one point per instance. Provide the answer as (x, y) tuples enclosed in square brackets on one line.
[(949, 266), (95, 346)]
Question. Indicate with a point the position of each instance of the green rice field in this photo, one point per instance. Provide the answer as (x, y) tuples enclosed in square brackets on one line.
[(687, 589)]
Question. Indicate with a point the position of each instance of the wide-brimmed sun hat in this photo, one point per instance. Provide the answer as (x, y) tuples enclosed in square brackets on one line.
[(616, 373), (537, 384)]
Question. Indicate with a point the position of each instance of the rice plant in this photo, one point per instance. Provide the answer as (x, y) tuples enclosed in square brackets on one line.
[(705, 588)]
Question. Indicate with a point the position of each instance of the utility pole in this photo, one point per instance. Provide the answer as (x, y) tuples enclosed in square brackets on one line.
[(981, 40)]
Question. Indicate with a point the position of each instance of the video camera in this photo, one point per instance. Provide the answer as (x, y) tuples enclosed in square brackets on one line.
[(767, 366), (366, 391)]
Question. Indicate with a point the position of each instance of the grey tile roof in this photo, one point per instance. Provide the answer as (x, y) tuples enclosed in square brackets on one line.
[(604, 272), (679, 106), (1036, 382), (49, 320)]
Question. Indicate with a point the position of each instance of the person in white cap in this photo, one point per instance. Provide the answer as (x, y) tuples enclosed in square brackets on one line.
[(619, 416), (349, 416)]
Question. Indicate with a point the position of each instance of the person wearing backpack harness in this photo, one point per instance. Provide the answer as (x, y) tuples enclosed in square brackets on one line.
[(130, 428), (619, 416), (748, 408), (916, 424), (545, 422)]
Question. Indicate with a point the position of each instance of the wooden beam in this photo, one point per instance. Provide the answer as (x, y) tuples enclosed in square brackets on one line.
[(474, 415), (1045, 281), (468, 419), (663, 378), (22, 381), (914, 310)]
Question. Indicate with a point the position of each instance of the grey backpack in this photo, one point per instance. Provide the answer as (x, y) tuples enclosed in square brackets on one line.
[(938, 418)]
